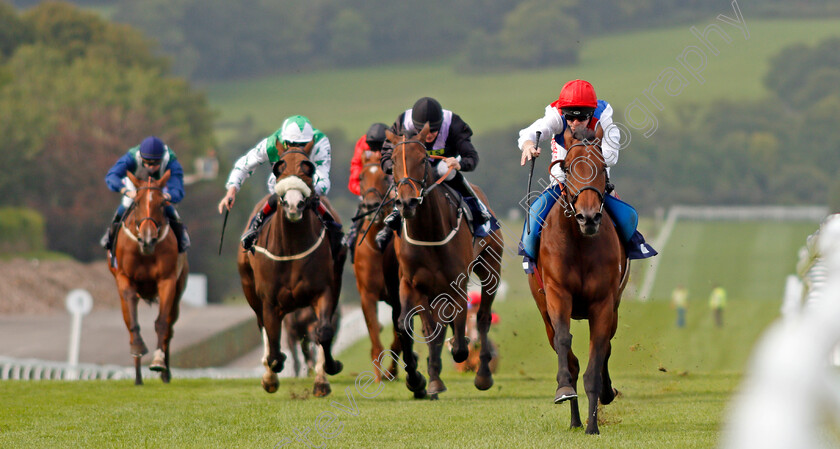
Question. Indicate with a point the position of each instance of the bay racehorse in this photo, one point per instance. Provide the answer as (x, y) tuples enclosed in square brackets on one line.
[(147, 265), (437, 254), (292, 267), (580, 274), (377, 275), (301, 330)]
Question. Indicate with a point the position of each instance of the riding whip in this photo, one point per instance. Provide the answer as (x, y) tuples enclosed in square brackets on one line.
[(224, 224), (530, 175)]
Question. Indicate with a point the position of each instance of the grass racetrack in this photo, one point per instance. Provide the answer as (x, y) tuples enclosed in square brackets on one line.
[(675, 385)]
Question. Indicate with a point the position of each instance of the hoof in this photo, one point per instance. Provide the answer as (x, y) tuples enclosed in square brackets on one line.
[(436, 386), (270, 383), (420, 384), (334, 369), (420, 394), (483, 383), (166, 376), (564, 394), (321, 389), (139, 349), (608, 398), (433, 397), (159, 362)]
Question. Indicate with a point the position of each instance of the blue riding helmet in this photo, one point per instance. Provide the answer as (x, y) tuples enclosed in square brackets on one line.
[(152, 148)]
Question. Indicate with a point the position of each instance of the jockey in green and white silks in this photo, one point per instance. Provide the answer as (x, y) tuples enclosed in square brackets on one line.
[(295, 132)]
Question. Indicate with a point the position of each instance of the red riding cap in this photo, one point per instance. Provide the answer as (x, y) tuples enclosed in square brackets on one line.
[(576, 93)]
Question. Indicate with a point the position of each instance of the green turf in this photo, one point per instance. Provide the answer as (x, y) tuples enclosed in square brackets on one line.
[(750, 259), (620, 66), (675, 384)]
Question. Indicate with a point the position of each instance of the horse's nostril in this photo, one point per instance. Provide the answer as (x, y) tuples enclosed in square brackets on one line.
[(597, 218), (413, 202), (580, 218), (300, 204)]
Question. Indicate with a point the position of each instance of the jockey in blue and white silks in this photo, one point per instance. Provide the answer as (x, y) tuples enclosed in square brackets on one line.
[(156, 158), (577, 107)]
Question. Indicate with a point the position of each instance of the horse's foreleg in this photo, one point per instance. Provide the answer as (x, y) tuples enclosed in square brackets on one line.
[(601, 330), (325, 309), (273, 358), (322, 385), (435, 332), (414, 381), (369, 302), (574, 370), (559, 309), (484, 376), (167, 315), (128, 303)]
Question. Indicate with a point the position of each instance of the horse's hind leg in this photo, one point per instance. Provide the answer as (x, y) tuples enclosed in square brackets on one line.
[(601, 330), (128, 303), (167, 315), (325, 308)]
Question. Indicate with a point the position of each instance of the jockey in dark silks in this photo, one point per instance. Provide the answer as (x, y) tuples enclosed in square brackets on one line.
[(449, 137), (576, 108), (155, 157)]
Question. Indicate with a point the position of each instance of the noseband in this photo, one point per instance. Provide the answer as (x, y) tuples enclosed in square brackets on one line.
[(569, 206), (312, 199)]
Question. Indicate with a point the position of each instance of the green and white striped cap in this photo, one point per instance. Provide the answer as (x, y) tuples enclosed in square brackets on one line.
[(296, 129)]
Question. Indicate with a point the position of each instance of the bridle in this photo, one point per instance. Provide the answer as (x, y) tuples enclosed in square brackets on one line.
[(381, 198), (569, 204), (158, 226), (423, 190), (312, 199)]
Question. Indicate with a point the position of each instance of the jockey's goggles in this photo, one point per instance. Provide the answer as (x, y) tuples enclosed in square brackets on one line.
[(150, 162), (579, 117)]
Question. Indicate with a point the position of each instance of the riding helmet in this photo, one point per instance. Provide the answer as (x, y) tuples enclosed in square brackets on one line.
[(427, 109), (296, 129), (376, 134), (577, 97), (152, 148)]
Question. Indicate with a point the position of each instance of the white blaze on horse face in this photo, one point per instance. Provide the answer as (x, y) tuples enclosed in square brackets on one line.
[(292, 192)]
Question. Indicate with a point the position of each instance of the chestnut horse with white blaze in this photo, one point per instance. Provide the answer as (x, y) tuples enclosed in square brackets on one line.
[(293, 267), (437, 253), (149, 266), (377, 275), (580, 274)]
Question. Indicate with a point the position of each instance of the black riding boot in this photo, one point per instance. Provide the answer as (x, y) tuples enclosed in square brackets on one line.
[(107, 240), (180, 230), (392, 223), (250, 236)]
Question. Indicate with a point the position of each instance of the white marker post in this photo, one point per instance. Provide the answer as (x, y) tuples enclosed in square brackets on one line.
[(79, 302)]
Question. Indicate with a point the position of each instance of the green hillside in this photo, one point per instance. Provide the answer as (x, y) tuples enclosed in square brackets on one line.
[(750, 259), (620, 66)]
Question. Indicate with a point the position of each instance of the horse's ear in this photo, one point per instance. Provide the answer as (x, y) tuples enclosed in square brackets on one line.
[(308, 148), (279, 145), (132, 178), (165, 178), (278, 168), (393, 138), (424, 132)]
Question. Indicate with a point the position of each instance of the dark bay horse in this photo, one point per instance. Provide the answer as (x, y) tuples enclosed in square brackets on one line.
[(292, 267), (377, 275), (437, 253), (580, 274), (149, 266)]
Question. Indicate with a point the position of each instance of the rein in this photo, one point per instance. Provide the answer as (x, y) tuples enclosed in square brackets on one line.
[(158, 226)]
